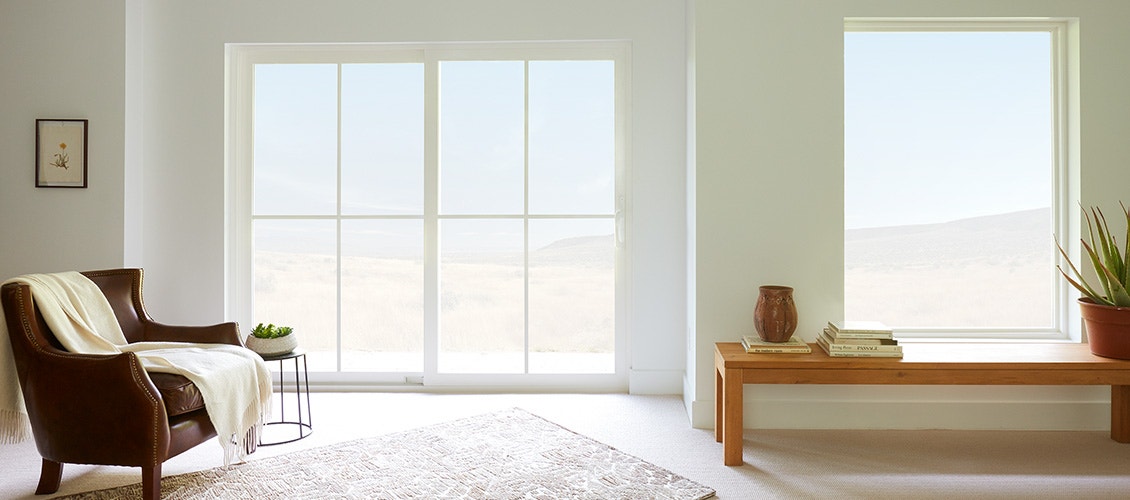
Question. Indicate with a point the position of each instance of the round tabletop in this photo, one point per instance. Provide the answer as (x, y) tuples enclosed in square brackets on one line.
[(286, 355)]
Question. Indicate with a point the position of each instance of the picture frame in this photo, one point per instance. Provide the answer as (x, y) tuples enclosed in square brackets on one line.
[(60, 153)]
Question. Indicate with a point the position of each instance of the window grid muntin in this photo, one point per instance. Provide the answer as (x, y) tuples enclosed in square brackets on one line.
[(243, 60)]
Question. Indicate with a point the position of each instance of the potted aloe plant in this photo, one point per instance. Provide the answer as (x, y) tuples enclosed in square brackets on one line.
[(1105, 309), (271, 340)]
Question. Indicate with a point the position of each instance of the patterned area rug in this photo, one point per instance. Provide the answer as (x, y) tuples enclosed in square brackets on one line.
[(507, 454)]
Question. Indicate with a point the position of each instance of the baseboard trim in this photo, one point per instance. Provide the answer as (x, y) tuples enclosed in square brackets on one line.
[(655, 382)]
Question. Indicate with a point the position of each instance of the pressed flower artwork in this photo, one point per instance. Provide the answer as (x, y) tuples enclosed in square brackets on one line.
[(61, 158), (60, 153)]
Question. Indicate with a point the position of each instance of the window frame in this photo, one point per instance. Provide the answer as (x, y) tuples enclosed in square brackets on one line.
[(1063, 58), (239, 186)]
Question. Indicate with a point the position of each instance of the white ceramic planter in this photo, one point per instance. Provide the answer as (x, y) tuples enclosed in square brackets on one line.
[(272, 347)]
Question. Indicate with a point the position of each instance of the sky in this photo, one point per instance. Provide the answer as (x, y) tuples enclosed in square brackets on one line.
[(940, 126), (937, 127), (483, 122)]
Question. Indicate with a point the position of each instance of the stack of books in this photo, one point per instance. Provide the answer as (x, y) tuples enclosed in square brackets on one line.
[(754, 344), (859, 339)]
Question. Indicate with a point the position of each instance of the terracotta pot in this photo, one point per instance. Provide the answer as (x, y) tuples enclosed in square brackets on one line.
[(775, 314), (1108, 329)]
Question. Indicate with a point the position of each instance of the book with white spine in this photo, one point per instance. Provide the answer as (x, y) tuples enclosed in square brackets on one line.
[(859, 329), (847, 345), (823, 343)]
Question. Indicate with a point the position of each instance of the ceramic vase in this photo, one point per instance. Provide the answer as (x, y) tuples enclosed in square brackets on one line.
[(775, 315)]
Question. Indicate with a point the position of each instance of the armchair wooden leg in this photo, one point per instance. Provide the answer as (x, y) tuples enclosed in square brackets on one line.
[(151, 482), (50, 475)]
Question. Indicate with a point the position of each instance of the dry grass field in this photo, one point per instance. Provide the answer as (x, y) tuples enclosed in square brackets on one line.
[(991, 271), (482, 316), (983, 272)]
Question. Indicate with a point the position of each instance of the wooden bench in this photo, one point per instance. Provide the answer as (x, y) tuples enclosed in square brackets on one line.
[(921, 364)]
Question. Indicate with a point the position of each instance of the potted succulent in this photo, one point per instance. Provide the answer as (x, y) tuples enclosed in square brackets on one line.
[(1106, 309), (271, 340)]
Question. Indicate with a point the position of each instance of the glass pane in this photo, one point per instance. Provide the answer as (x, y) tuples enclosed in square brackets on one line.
[(572, 296), (572, 137), (482, 324), (947, 178), (482, 123), (382, 295), (295, 126), (382, 139), (295, 284)]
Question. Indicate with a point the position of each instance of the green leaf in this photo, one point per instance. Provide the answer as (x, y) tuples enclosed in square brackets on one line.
[(1126, 255), (270, 331), (1110, 262), (1082, 284)]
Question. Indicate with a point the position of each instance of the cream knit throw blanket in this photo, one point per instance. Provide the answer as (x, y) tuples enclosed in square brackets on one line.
[(234, 381)]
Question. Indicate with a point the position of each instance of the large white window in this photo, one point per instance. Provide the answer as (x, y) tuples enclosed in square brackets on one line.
[(442, 211), (953, 147)]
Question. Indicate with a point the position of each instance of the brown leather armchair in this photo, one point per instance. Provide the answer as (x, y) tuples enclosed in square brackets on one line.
[(105, 409)]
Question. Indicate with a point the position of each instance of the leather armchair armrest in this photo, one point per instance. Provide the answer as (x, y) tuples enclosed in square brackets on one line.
[(77, 396), (223, 333)]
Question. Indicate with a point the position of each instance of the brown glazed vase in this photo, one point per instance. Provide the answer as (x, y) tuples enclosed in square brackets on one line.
[(775, 313), (1108, 329)]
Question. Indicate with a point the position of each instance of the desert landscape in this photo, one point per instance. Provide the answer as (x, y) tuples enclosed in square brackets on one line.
[(482, 318), (984, 272)]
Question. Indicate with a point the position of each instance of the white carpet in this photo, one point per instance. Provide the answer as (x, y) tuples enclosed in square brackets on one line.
[(780, 464)]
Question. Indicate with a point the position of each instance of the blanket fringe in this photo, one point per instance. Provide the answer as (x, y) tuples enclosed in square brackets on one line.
[(236, 448), (15, 427)]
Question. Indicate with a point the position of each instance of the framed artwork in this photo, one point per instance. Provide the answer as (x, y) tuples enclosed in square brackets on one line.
[(60, 153)]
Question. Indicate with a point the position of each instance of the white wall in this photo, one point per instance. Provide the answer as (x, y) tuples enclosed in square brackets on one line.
[(61, 59), (769, 192), (184, 135), (149, 75), (766, 152)]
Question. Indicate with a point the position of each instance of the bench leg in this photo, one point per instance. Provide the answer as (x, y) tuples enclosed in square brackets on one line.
[(718, 404), (732, 417), (1120, 413)]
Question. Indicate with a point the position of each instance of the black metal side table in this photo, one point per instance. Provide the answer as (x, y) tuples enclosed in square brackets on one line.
[(303, 425)]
